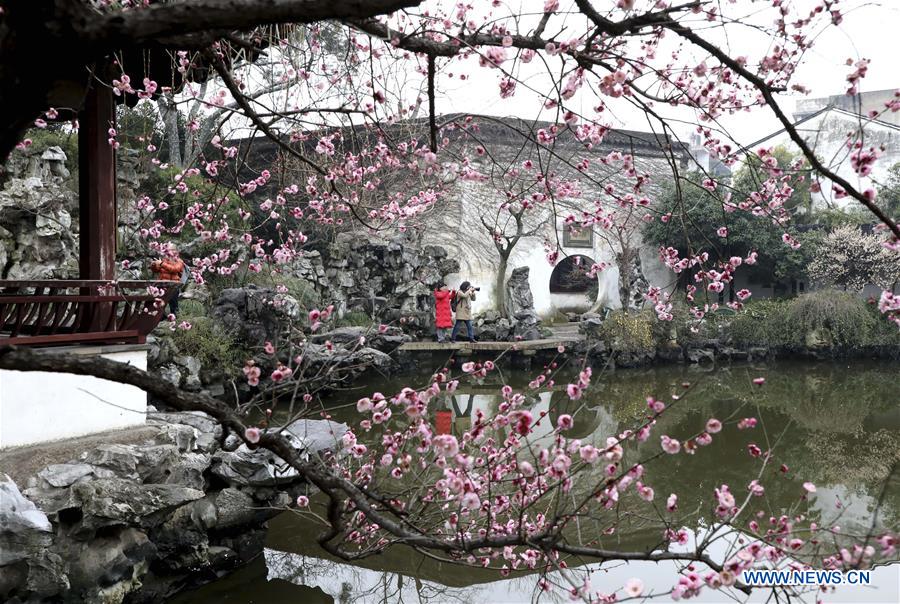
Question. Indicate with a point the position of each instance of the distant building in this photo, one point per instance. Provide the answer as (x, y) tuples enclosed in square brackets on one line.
[(828, 123), (859, 104)]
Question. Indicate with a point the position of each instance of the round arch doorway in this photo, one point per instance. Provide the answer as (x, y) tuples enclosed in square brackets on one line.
[(572, 288)]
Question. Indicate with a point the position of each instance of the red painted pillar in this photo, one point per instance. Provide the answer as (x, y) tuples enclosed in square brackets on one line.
[(97, 186)]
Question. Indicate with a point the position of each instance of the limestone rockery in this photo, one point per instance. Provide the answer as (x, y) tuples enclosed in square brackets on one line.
[(138, 523)]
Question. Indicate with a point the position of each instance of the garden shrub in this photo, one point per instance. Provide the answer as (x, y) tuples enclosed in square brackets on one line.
[(354, 319), (761, 323), (629, 332), (834, 318), (841, 317), (209, 344)]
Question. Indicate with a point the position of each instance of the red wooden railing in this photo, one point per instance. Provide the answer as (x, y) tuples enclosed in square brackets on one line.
[(75, 311)]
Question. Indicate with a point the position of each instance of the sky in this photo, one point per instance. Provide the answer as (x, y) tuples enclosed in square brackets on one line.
[(870, 31)]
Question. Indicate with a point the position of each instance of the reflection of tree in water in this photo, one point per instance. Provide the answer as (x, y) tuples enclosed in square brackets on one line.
[(831, 415), (587, 420), (356, 585)]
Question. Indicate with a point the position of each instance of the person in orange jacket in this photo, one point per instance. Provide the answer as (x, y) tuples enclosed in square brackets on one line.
[(170, 268)]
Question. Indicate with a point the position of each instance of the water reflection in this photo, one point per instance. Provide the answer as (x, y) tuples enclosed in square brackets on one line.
[(346, 584), (835, 425), (422, 582)]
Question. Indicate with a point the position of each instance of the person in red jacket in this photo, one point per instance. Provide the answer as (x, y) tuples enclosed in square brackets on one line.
[(170, 268), (443, 316)]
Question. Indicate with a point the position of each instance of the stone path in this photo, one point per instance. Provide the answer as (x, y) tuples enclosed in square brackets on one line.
[(564, 334)]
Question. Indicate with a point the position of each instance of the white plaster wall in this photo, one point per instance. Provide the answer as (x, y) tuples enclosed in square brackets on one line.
[(457, 225), (39, 407)]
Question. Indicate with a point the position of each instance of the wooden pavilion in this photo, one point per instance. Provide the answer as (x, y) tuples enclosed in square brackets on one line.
[(94, 308)]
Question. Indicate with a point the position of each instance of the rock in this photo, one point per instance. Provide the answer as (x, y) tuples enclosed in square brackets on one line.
[(63, 475), (36, 206), (192, 383), (591, 327), (221, 557), (208, 442), (255, 316), (47, 575), (191, 364), (215, 390), (518, 292), (121, 460), (349, 337), (672, 354), (164, 464), (246, 467), (316, 436), (342, 363), (182, 436), (632, 297), (189, 470), (114, 501), (260, 467), (341, 335), (248, 545), (236, 509), (758, 352), (371, 306), (196, 419), (18, 515), (170, 373), (108, 560), (25, 531), (489, 316), (701, 355), (204, 514), (181, 543)]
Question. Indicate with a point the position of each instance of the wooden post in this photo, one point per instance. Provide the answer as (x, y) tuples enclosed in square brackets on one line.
[(96, 200), (97, 186)]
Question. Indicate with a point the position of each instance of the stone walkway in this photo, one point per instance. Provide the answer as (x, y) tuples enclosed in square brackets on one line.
[(564, 334)]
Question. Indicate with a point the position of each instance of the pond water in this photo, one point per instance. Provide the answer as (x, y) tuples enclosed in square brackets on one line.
[(835, 424)]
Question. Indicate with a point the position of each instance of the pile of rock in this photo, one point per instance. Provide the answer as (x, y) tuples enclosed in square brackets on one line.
[(389, 280), (37, 204), (145, 521), (521, 321), (254, 315)]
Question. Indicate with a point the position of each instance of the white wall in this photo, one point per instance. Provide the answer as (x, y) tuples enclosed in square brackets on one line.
[(39, 407)]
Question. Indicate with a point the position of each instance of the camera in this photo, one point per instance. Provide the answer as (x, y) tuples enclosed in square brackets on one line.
[(478, 289)]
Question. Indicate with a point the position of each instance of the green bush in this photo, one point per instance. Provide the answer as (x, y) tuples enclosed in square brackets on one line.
[(824, 318), (354, 319), (840, 318), (209, 344), (629, 332), (761, 323)]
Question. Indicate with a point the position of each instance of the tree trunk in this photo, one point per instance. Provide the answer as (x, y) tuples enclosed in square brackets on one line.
[(500, 284), (192, 143), (169, 114), (625, 269)]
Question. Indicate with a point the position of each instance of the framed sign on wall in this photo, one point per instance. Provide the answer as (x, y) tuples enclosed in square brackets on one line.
[(578, 237)]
